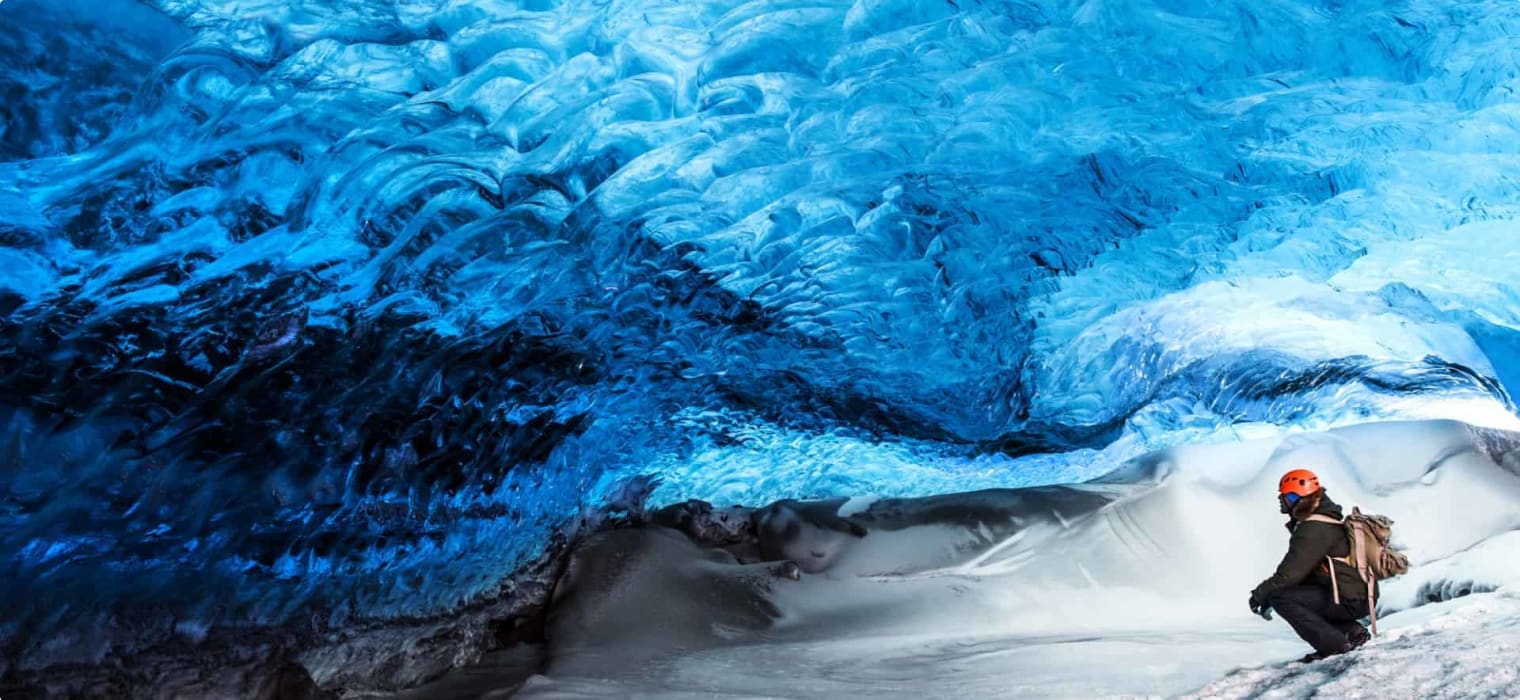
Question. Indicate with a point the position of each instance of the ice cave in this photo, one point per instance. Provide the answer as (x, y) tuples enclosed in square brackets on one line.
[(416, 349)]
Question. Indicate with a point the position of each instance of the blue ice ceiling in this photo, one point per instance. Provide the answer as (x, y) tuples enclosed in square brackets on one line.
[(347, 306)]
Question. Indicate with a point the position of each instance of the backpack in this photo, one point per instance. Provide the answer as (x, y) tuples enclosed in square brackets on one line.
[(1372, 555), (1370, 535)]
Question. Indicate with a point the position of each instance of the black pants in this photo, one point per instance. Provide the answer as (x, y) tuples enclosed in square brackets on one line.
[(1313, 614)]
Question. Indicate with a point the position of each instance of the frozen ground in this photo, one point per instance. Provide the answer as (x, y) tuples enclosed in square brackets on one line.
[(1464, 648)]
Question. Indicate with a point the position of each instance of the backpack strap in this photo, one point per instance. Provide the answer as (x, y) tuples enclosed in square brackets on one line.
[(1359, 558), (1335, 585)]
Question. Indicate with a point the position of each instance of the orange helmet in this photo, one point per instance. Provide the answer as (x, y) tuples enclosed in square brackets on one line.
[(1300, 482)]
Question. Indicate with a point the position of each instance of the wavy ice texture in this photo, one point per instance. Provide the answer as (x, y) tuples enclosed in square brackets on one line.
[(324, 310)]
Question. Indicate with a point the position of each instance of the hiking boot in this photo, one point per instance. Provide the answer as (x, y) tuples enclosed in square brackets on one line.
[(1358, 638), (1320, 655)]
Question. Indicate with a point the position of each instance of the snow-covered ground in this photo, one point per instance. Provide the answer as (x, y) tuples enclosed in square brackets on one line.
[(1465, 648), (1139, 591)]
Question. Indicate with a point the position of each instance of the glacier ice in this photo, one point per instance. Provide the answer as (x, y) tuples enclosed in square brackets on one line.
[(342, 310)]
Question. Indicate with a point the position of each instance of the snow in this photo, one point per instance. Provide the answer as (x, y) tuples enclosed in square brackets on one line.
[(1460, 649)]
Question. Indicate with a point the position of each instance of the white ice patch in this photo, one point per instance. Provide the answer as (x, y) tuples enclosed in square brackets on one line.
[(1490, 565), (857, 504)]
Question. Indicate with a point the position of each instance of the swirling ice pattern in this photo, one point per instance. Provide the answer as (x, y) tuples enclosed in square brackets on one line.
[(346, 306)]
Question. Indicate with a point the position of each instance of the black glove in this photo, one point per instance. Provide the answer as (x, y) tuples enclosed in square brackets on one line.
[(1260, 608)]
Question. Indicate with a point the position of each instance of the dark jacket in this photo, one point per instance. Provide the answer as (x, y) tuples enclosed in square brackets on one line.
[(1305, 561)]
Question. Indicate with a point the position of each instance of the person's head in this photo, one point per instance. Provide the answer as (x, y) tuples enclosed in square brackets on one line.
[(1299, 493)]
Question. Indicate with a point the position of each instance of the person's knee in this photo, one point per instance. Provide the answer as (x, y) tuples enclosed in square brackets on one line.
[(1279, 598)]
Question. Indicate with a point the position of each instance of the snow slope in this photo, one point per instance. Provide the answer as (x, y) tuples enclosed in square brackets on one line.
[(1465, 648)]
